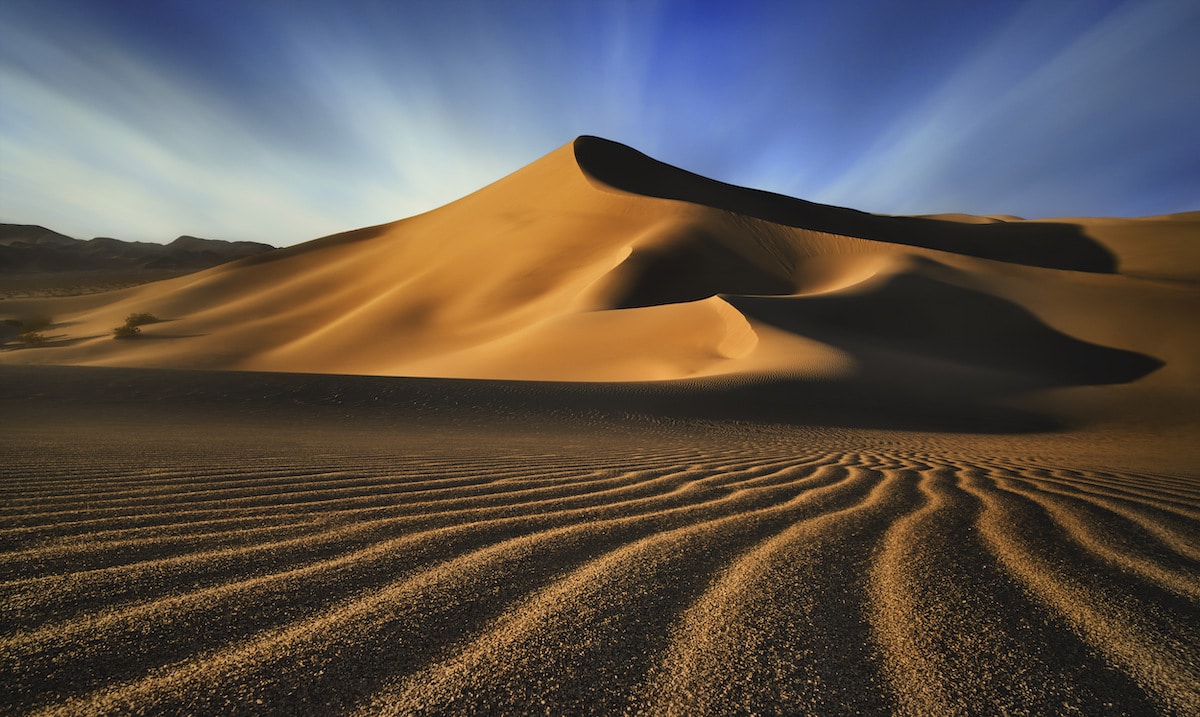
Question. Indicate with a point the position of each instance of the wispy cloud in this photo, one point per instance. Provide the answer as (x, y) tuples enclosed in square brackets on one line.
[(1075, 123), (282, 122)]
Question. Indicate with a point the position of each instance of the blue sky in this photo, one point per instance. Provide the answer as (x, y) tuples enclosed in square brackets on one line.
[(282, 121)]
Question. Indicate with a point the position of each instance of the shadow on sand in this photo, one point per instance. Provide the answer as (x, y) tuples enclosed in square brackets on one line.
[(1045, 244)]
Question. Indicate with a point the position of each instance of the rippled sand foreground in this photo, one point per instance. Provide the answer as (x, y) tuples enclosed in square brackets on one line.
[(212, 561)]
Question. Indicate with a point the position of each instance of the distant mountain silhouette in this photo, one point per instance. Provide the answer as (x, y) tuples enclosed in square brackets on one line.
[(26, 248)]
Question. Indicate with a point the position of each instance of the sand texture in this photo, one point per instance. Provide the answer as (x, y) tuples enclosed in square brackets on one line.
[(607, 437), (204, 543)]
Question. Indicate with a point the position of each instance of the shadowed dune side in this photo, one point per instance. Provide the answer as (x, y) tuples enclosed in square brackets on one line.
[(687, 264), (391, 401), (1053, 245), (1163, 247), (911, 312)]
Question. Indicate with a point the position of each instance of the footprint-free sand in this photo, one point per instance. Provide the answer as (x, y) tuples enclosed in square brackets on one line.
[(198, 543)]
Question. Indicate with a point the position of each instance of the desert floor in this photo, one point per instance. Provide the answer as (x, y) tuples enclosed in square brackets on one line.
[(195, 542)]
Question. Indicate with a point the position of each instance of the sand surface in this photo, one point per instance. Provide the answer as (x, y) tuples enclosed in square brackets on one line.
[(197, 543), (607, 437)]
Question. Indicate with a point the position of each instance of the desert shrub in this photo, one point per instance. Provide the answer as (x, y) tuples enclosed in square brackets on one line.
[(132, 322), (31, 338), (140, 319), (29, 331)]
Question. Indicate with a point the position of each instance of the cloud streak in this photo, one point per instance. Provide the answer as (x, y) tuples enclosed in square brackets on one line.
[(281, 122)]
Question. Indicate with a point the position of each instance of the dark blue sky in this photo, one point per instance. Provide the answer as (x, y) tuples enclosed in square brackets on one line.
[(282, 121)]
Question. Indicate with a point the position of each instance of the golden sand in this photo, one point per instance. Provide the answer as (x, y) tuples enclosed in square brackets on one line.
[(205, 554)]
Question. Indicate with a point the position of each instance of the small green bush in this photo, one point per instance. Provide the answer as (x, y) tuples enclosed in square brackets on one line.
[(126, 332), (140, 319)]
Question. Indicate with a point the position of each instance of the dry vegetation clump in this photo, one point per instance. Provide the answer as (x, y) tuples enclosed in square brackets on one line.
[(133, 322), (31, 338), (28, 332)]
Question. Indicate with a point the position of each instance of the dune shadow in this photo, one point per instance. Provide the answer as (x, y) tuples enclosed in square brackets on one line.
[(158, 337), (930, 356), (1045, 244), (694, 266), (380, 402), (854, 404), (921, 317), (51, 342), (59, 343)]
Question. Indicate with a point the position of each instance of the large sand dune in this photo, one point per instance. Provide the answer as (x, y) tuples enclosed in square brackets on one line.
[(599, 263)]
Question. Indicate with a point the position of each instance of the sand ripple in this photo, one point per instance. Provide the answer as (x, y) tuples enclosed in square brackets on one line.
[(726, 576)]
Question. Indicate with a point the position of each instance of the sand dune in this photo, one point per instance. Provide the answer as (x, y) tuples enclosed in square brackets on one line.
[(599, 263), (356, 558)]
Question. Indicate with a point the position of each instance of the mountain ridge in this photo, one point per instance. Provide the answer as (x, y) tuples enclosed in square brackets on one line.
[(26, 248)]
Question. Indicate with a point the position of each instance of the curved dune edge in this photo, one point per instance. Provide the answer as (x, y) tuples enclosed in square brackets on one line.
[(725, 571)]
